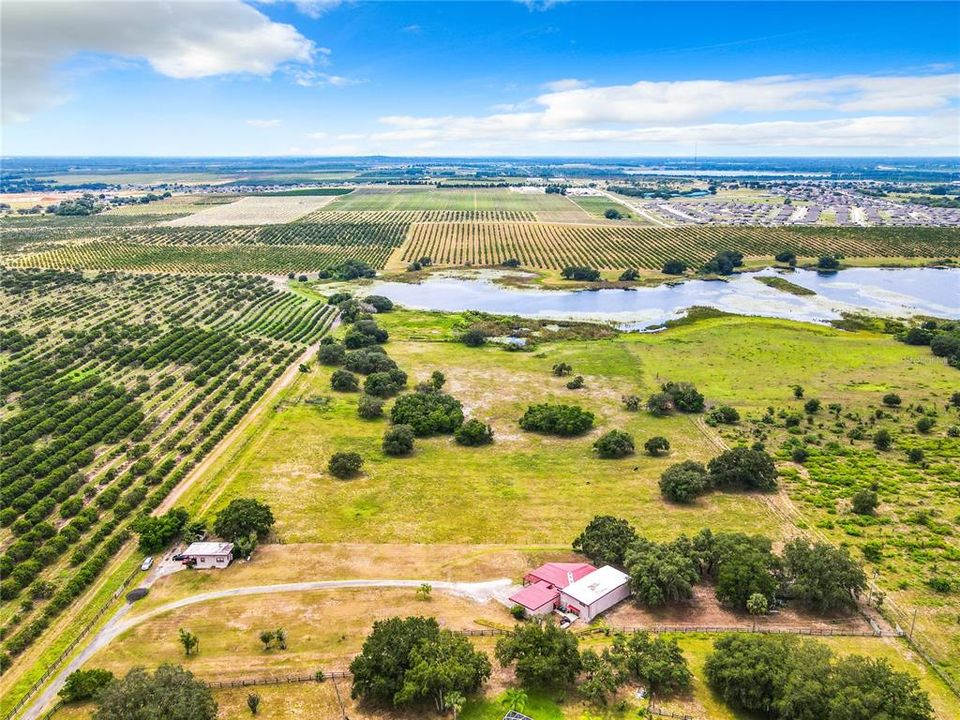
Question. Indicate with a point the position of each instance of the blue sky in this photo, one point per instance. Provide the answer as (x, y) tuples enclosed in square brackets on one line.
[(321, 77)]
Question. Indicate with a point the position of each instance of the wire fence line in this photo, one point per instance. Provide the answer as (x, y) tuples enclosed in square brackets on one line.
[(710, 629), (319, 676), (54, 666)]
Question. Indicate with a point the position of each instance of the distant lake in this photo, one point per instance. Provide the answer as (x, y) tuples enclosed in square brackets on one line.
[(900, 292)]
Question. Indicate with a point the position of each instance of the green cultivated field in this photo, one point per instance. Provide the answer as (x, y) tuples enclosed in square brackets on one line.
[(415, 198)]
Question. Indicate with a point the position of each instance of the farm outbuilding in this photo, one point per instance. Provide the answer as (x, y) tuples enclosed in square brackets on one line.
[(595, 593), (541, 591), (208, 554)]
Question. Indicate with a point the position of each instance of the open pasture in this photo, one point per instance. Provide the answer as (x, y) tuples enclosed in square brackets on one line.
[(255, 211), (554, 245)]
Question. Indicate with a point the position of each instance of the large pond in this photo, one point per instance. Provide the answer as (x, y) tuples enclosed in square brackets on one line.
[(898, 292)]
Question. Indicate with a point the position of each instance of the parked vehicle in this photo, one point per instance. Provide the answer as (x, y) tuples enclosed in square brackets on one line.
[(147, 563)]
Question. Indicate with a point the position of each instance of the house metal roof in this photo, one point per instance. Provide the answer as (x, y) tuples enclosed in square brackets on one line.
[(535, 596), (209, 548), (596, 585), (561, 574)]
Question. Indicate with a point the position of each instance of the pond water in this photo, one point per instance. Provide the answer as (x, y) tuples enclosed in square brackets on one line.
[(900, 292)]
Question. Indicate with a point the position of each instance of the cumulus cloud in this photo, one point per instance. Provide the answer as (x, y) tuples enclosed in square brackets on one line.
[(884, 113), (182, 40)]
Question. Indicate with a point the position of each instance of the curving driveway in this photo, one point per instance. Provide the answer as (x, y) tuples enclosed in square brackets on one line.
[(478, 592)]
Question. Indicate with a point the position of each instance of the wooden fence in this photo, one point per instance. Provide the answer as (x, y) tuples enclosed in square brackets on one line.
[(54, 666), (279, 679)]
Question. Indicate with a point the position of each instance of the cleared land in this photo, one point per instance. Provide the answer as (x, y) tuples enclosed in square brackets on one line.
[(420, 198), (255, 211)]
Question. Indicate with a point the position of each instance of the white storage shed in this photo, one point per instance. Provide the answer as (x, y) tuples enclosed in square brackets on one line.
[(599, 591)]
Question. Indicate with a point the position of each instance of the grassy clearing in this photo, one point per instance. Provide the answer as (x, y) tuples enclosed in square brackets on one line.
[(256, 210), (524, 489), (785, 285), (427, 198), (596, 206)]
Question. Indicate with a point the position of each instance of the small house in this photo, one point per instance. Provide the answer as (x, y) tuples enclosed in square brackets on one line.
[(595, 593), (208, 554)]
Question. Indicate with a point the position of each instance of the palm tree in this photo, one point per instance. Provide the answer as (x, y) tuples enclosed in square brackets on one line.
[(514, 699)]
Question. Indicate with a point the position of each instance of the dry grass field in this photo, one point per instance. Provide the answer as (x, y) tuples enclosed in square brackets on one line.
[(255, 211)]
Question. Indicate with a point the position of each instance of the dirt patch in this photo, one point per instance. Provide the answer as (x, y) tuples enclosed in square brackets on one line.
[(704, 611)]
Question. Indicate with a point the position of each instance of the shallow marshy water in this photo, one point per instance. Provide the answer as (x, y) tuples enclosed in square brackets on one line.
[(899, 292)]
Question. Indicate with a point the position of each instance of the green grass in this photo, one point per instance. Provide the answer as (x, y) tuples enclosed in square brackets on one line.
[(526, 488), (415, 198), (596, 206), (785, 285)]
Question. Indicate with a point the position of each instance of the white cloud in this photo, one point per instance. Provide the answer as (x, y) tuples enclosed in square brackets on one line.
[(181, 40), (312, 78), (563, 85), (263, 123), (691, 100), (858, 113)]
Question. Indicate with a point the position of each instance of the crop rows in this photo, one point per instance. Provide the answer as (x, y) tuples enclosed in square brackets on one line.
[(330, 215), (115, 387), (268, 259), (554, 245)]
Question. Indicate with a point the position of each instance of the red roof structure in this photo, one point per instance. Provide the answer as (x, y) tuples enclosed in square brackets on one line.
[(535, 596), (559, 575)]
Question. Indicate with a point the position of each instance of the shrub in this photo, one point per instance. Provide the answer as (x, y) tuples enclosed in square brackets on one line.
[(473, 433), (511, 263), (891, 400), (828, 263), (398, 440), (385, 384), (369, 407), (427, 413), (561, 368), (915, 455), (800, 455), (345, 464), (580, 272), (723, 415), (473, 337), (576, 383), (945, 344), (380, 303), (743, 467), (564, 420), (84, 684), (338, 298), (683, 482), (812, 406), (925, 424), (660, 404), (344, 381), (864, 502), (723, 263), (614, 444), (786, 256), (882, 440), (657, 445), (612, 214), (685, 396), (674, 267), (631, 402)]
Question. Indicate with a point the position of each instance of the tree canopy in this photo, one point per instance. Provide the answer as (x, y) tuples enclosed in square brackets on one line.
[(243, 517), (544, 654), (171, 693), (427, 413), (564, 420), (605, 540)]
